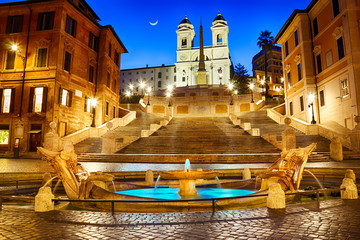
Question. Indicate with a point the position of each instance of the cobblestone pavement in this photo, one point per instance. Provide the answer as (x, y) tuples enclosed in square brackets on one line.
[(335, 219)]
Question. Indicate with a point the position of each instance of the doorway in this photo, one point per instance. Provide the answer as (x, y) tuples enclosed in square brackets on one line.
[(35, 137)]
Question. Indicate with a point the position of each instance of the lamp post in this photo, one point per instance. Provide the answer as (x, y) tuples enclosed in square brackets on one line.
[(262, 82), (148, 91), (168, 94), (16, 49), (231, 86), (311, 99), (93, 103), (252, 92), (278, 98), (142, 86)]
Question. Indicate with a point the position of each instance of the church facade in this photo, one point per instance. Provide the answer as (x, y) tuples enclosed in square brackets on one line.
[(185, 72), (216, 57)]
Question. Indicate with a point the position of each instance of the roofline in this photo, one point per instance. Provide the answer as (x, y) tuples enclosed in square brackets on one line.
[(116, 36), (148, 67), (291, 18)]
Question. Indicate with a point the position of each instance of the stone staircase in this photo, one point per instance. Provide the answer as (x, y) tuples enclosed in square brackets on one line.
[(127, 134)]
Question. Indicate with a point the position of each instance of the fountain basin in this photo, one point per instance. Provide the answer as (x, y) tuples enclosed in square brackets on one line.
[(172, 193), (192, 175)]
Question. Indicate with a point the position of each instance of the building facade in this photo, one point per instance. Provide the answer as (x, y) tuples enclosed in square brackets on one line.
[(321, 62), (157, 78), (55, 58), (216, 57), (274, 69), (185, 71)]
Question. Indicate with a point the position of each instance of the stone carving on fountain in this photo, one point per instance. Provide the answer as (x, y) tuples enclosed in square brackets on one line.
[(77, 182), (288, 169)]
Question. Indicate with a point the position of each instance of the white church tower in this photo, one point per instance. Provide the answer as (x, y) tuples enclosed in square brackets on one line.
[(216, 57)]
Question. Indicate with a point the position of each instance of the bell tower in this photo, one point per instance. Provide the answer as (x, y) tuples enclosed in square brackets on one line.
[(185, 34)]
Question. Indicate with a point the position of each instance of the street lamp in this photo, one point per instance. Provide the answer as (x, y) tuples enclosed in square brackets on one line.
[(168, 94), (252, 92), (311, 99), (231, 86), (142, 86), (16, 49), (93, 103), (278, 97), (262, 82), (170, 88), (149, 91)]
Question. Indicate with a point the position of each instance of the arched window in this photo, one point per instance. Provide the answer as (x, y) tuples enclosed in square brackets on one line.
[(159, 75), (219, 39), (184, 42)]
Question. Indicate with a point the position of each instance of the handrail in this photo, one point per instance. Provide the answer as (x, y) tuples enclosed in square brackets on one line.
[(213, 200)]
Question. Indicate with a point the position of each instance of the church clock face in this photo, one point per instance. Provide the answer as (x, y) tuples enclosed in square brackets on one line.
[(183, 57)]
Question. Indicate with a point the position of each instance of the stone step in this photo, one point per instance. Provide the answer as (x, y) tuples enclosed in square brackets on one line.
[(194, 158)]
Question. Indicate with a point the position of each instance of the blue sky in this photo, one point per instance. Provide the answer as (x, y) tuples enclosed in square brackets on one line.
[(156, 45)]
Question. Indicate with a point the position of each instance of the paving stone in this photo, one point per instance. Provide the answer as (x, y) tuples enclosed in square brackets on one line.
[(336, 219)]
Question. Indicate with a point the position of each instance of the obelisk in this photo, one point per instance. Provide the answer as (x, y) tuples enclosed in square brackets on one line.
[(201, 70)]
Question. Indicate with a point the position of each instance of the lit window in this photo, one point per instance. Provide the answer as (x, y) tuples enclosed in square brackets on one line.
[(344, 88), (4, 135), (64, 97), (7, 101), (38, 99)]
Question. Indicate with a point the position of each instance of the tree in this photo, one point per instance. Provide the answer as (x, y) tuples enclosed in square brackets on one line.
[(241, 79), (265, 41)]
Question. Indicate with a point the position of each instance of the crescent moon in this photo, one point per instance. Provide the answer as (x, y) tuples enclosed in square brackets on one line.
[(153, 24)]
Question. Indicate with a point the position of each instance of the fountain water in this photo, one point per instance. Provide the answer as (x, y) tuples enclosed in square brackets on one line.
[(317, 180), (113, 186), (187, 165), (218, 182), (157, 181)]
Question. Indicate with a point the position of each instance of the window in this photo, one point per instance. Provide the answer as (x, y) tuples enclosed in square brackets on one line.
[(219, 39), (65, 97), (296, 38), (116, 58), (322, 98), (110, 50), (183, 79), (159, 84), (174, 78), (289, 78), (70, 27), (302, 103), (41, 57), (329, 58), (87, 107), (114, 112), (291, 109), (114, 85), (159, 75), (67, 62), (318, 63), (108, 80), (38, 99), (91, 74), (45, 21), (7, 100), (4, 135), (286, 49), (183, 42), (340, 46), (107, 109), (336, 9), (10, 60), (299, 71), (93, 42), (315, 26), (344, 88), (14, 24)]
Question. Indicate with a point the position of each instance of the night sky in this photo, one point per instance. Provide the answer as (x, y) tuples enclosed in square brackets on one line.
[(156, 45)]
